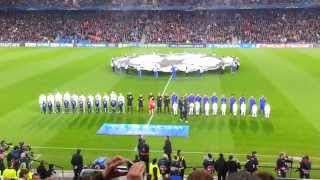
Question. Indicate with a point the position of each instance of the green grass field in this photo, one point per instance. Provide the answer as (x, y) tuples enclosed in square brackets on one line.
[(289, 78)]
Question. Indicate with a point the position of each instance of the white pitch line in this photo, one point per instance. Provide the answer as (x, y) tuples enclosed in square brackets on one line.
[(164, 91), (155, 151)]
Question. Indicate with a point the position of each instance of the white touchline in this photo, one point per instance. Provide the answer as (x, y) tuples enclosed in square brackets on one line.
[(151, 117), (154, 151), (164, 91)]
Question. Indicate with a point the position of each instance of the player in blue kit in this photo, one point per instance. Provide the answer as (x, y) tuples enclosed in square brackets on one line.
[(173, 72), (206, 105), (232, 100), (223, 105), (198, 104), (243, 107), (191, 104), (214, 102), (252, 101), (242, 100), (262, 103), (174, 103)]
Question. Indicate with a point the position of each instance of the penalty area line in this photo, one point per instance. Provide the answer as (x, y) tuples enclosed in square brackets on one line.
[(164, 91)]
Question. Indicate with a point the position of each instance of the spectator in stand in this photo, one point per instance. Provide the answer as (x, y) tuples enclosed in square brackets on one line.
[(2, 157), (9, 173), (244, 175), (182, 162), (154, 170), (77, 163), (164, 166), (35, 176), (305, 168), (208, 163), (167, 148), (24, 171), (221, 167), (200, 175), (175, 167), (232, 165), (144, 153), (281, 166), (51, 171), (42, 170)]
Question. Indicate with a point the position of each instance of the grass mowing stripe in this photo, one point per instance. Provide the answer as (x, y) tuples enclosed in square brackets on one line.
[(42, 81), (39, 67)]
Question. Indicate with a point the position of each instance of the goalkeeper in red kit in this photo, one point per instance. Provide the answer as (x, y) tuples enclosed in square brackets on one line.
[(152, 105)]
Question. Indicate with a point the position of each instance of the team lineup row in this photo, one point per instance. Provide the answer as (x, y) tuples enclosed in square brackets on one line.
[(185, 105)]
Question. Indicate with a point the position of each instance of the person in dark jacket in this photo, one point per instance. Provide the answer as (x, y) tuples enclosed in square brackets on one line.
[(221, 167), (208, 164), (255, 160), (175, 166), (144, 153), (305, 168), (77, 164), (281, 166), (251, 165), (182, 163), (42, 171), (232, 165), (167, 148)]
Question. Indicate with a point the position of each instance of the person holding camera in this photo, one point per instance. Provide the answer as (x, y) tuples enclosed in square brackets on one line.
[(135, 172)]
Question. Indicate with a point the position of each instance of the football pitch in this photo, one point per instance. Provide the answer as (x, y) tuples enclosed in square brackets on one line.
[(289, 78)]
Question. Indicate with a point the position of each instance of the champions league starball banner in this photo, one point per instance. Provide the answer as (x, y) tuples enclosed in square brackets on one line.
[(144, 129)]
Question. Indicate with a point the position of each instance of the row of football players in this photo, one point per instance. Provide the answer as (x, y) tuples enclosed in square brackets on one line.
[(56, 103), (195, 104)]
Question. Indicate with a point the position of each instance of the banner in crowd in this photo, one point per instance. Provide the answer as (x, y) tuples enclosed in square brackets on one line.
[(51, 45), (156, 45), (288, 45), (9, 44), (91, 45), (144, 129)]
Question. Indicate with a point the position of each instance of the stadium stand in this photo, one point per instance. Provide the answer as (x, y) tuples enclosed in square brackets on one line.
[(85, 4), (224, 26)]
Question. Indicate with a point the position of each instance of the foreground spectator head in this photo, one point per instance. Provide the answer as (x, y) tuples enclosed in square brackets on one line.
[(242, 175), (35, 176), (264, 176), (200, 175)]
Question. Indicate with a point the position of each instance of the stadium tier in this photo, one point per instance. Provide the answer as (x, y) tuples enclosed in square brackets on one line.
[(224, 26)]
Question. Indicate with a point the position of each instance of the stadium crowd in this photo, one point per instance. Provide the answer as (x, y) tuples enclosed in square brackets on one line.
[(54, 4), (173, 166), (16, 163), (245, 26)]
